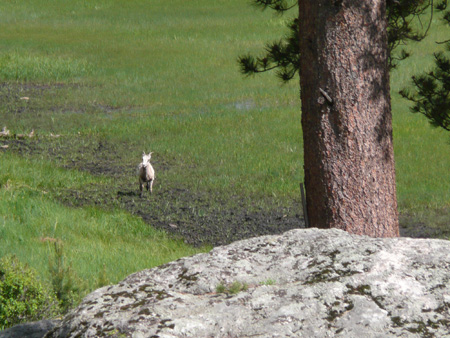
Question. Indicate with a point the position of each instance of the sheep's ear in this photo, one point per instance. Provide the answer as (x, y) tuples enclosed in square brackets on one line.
[(150, 154)]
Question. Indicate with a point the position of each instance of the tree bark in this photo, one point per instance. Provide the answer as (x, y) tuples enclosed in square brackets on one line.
[(346, 116)]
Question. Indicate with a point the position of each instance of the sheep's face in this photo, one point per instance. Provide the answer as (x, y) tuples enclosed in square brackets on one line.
[(146, 158)]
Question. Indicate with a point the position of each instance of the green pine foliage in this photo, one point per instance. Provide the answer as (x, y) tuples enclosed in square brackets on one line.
[(431, 90), (284, 55), (277, 5), (405, 18)]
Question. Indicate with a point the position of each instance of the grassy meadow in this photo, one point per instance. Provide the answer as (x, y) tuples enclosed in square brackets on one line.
[(100, 81)]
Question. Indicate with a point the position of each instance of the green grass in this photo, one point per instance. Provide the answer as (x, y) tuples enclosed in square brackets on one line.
[(31, 220), (175, 58), (19, 67), (162, 76), (172, 75), (170, 72)]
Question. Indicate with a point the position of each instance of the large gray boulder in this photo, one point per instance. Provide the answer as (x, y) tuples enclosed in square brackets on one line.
[(29, 330), (304, 283)]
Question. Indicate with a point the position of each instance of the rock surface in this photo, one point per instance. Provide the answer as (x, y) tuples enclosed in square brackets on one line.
[(304, 283), (29, 330)]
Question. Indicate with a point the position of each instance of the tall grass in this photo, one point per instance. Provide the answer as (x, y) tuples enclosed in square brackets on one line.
[(19, 67)]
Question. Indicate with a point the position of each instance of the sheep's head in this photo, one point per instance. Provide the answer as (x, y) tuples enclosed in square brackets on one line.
[(146, 158)]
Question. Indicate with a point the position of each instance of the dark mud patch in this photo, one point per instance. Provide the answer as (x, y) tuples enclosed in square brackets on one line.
[(211, 221), (103, 158), (25, 100), (21, 147), (435, 224), (189, 215), (198, 217)]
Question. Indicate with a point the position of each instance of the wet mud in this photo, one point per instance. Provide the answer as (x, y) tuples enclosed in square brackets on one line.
[(198, 217)]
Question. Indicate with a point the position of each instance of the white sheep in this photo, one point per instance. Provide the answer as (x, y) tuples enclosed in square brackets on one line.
[(146, 173)]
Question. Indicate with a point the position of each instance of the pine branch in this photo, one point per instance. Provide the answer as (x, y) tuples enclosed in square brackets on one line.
[(431, 93), (279, 6), (402, 15), (284, 55)]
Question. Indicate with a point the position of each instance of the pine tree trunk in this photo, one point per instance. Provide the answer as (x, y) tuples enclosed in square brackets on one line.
[(346, 117)]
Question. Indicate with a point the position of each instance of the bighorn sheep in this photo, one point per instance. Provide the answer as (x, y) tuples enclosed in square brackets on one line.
[(146, 173)]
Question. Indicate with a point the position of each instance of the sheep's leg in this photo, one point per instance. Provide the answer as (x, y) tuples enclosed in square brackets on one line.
[(141, 186), (151, 186)]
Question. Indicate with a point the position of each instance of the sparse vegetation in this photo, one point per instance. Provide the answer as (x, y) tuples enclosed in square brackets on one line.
[(220, 288), (268, 282), (232, 289)]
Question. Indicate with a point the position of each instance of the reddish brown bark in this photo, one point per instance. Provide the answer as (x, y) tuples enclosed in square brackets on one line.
[(346, 117)]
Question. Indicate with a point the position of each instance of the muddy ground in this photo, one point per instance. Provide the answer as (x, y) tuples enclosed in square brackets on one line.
[(199, 217)]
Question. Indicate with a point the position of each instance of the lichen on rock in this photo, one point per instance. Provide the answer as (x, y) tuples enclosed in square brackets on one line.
[(328, 283)]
